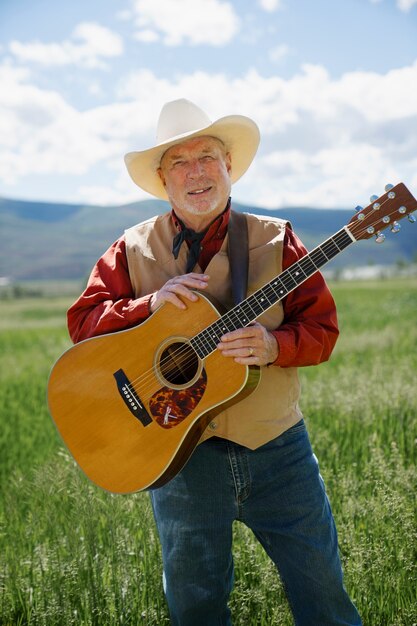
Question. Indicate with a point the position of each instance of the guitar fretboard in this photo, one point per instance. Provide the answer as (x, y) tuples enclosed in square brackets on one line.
[(264, 298)]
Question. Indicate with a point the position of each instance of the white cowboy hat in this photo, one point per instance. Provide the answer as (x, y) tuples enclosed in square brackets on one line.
[(180, 120)]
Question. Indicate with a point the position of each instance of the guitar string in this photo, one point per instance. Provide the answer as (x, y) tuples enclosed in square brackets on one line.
[(360, 225), (179, 353), (356, 228), (186, 348)]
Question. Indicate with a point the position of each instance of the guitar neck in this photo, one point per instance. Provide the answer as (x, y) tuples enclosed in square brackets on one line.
[(264, 298)]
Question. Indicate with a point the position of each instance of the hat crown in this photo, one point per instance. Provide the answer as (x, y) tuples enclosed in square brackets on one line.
[(180, 120), (180, 117)]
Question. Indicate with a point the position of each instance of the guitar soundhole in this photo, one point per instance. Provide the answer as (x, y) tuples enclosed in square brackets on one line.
[(179, 363)]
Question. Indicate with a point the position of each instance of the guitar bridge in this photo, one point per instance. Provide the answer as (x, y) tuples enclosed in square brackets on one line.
[(131, 398)]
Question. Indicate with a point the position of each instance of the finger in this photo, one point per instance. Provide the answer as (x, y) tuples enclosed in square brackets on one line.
[(245, 357), (237, 350), (194, 281), (238, 340), (203, 277), (182, 290), (243, 334), (175, 294)]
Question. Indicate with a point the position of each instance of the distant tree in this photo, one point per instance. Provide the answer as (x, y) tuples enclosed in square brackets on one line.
[(401, 263)]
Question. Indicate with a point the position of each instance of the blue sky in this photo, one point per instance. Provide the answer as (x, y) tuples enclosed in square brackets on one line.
[(331, 84)]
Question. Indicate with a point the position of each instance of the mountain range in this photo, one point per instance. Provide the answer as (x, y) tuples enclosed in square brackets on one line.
[(43, 240)]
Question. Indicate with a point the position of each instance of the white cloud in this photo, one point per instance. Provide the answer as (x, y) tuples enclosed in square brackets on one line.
[(210, 22), (325, 142), (88, 45), (406, 5), (147, 35), (340, 175), (40, 133), (332, 142), (118, 193), (269, 5), (403, 5)]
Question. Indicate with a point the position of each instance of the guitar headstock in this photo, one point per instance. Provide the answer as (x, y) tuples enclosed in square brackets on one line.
[(387, 210)]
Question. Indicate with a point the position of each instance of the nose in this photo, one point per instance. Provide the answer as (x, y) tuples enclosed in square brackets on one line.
[(195, 168)]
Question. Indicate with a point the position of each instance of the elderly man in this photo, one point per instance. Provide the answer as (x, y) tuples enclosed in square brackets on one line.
[(254, 462)]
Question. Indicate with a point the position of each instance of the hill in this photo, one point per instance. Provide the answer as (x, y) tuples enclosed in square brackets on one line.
[(40, 240)]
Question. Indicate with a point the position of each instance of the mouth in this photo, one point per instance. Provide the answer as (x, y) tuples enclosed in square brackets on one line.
[(199, 192)]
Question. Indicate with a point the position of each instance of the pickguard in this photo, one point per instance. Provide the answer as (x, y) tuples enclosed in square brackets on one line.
[(170, 407)]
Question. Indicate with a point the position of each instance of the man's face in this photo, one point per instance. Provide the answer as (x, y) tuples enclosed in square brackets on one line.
[(196, 176)]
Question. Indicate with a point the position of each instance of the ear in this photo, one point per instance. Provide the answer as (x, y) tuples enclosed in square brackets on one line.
[(228, 161), (161, 176)]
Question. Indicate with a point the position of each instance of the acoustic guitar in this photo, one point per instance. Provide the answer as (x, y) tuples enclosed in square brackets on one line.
[(131, 406)]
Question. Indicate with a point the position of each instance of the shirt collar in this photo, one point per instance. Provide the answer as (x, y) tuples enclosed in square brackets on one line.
[(216, 230)]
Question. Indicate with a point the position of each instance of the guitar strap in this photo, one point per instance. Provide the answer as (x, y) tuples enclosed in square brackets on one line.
[(238, 250)]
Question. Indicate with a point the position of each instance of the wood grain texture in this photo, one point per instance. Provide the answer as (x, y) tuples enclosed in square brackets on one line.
[(107, 441)]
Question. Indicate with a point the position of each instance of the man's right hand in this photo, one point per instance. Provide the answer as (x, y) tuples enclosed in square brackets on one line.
[(178, 286)]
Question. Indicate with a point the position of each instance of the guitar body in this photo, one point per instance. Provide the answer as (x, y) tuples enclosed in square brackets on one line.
[(131, 406)]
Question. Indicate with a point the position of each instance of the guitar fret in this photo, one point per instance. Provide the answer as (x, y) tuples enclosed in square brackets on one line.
[(287, 279), (296, 273), (344, 239), (308, 265), (196, 343), (261, 300), (241, 316), (264, 298), (300, 269), (278, 289), (207, 345), (248, 309), (318, 257), (259, 304), (236, 317), (199, 348), (331, 249)]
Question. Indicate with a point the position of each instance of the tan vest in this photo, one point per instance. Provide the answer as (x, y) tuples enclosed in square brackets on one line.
[(273, 407)]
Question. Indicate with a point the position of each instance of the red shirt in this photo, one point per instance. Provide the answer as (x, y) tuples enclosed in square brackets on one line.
[(306, 336), (213, 239)]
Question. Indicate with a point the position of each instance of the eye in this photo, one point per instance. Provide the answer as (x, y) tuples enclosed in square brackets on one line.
[(207, 157)]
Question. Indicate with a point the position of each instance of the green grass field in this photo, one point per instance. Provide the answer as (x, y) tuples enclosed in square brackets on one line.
[(72, 554)]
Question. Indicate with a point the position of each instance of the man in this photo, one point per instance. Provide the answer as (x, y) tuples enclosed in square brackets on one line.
[(254, 462)]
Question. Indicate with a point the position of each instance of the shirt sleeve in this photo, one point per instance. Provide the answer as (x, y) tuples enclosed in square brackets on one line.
[(108, 303), (306, 336), (309, 330)]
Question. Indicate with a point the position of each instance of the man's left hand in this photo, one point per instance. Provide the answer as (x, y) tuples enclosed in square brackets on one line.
[(253, 345)]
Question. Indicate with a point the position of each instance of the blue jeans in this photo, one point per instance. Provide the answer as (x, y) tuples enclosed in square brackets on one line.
[(276, 491)]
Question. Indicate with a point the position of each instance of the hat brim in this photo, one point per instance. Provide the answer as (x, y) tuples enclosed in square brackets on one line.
[(239, 134)]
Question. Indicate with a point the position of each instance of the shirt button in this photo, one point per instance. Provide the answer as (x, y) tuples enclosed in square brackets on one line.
[(213, 425)]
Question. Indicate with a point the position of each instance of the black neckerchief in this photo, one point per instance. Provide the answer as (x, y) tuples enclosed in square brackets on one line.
[(194, 239)]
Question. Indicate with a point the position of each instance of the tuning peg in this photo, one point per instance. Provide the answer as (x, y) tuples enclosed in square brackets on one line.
[(373, 198), (411, 218), (388, 187), (358, 208), (396, 227), (380, 238)]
